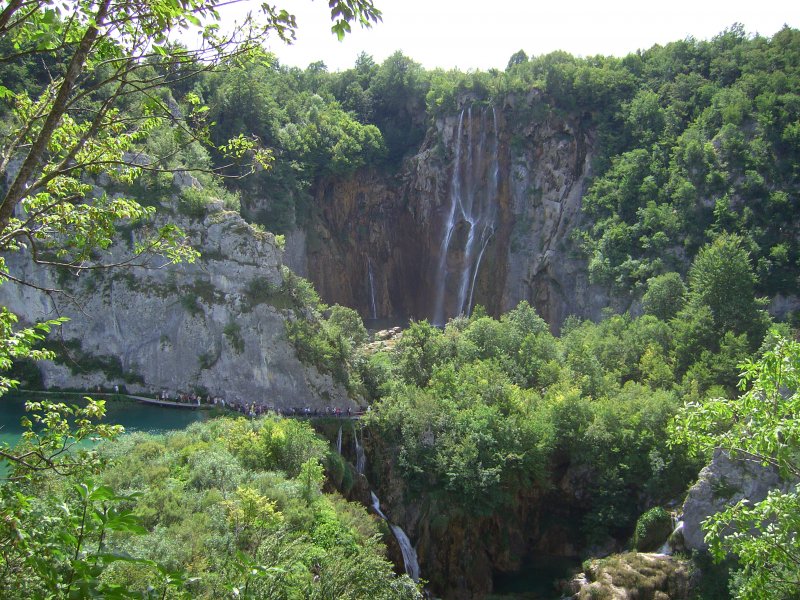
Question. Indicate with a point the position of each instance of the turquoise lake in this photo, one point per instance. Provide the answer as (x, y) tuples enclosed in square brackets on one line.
[(133, 415)]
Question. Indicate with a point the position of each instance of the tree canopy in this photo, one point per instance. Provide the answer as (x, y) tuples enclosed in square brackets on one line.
[(83, 92)]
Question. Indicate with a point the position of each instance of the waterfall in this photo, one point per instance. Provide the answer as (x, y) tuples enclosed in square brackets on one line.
[(471, 213), (373, 308), (339, 441), (361, 458), (409, 554), (677, 533)]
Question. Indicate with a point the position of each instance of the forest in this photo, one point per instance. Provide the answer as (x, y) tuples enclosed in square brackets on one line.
[(588, 431)]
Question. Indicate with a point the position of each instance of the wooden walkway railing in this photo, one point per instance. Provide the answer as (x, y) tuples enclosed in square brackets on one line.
[(116, 396)]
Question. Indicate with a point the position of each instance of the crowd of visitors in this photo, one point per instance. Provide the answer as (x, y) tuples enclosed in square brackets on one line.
[(253, 409)]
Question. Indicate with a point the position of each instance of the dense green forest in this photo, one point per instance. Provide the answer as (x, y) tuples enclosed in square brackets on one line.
[(696, 138), (692, 209)]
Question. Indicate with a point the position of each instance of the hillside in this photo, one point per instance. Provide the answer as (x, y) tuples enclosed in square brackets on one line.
[(584, 255)]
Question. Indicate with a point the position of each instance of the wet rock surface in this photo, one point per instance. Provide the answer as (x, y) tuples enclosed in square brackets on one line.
[(533, 172)]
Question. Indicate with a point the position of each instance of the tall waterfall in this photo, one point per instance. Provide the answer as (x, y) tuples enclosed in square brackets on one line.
[(409, 554), (339, 441), (471, 214), (372, 305)]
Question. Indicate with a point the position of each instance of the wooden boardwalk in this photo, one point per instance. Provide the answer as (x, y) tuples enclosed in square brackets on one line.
[(355, 415), (117, 396), (168, 403)]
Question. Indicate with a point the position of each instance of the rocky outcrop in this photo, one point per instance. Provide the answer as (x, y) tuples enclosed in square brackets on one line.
[(724, 482), (634, 576), (213, 326), (396, 222)]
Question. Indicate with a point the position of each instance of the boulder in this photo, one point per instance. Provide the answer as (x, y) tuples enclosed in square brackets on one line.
[(724, 482)]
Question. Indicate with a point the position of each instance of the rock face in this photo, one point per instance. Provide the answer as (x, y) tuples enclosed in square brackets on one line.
[(206, 326), (487, 203), (722, 483)]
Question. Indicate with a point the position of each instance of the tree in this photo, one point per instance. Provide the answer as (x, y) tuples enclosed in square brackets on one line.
[(92, 118), (347, 323), (103, 97), (83, 122), (665, 296), (761, 425), (517, 58), (722, 279)]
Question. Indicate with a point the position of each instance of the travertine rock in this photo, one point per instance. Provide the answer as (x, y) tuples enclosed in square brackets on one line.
[(634, 576)]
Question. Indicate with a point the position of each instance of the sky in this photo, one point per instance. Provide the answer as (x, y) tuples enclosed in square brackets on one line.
[(468, 34)]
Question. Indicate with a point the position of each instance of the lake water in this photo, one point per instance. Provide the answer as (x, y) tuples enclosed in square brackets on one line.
[(133, 415), (536, 580)]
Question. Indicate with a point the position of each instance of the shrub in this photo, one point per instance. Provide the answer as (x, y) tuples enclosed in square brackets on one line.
[(652, 529), (233, 332)]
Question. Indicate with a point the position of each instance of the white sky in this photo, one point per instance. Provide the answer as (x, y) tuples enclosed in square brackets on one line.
[(480, 35)]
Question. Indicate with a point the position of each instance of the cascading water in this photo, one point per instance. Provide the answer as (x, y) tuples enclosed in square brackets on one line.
[(339, 441), (677, 534), (471, 215), (372, 305), (409, 554), (361, 458)]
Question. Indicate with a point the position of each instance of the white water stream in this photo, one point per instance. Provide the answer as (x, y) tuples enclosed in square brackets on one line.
[(372, 305), (667, 547), (361, 458), (409, 554)]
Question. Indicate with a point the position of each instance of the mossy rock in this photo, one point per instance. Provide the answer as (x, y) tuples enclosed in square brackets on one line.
[(652, 529)]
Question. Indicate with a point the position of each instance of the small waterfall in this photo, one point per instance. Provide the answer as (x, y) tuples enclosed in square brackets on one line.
[(409, 554), (669, 545), (471, 215), (339, 441), (373, 307), (361, 458)]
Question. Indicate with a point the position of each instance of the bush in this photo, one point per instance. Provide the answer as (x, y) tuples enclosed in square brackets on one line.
[(193, 202), (233, 332), (652, 530)]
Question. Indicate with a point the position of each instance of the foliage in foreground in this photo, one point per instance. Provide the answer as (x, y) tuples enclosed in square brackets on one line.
[(227, 507), (762, 425)]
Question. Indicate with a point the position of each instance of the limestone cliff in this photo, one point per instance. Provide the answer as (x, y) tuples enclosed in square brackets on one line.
[(484, 208), (206, 326)]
